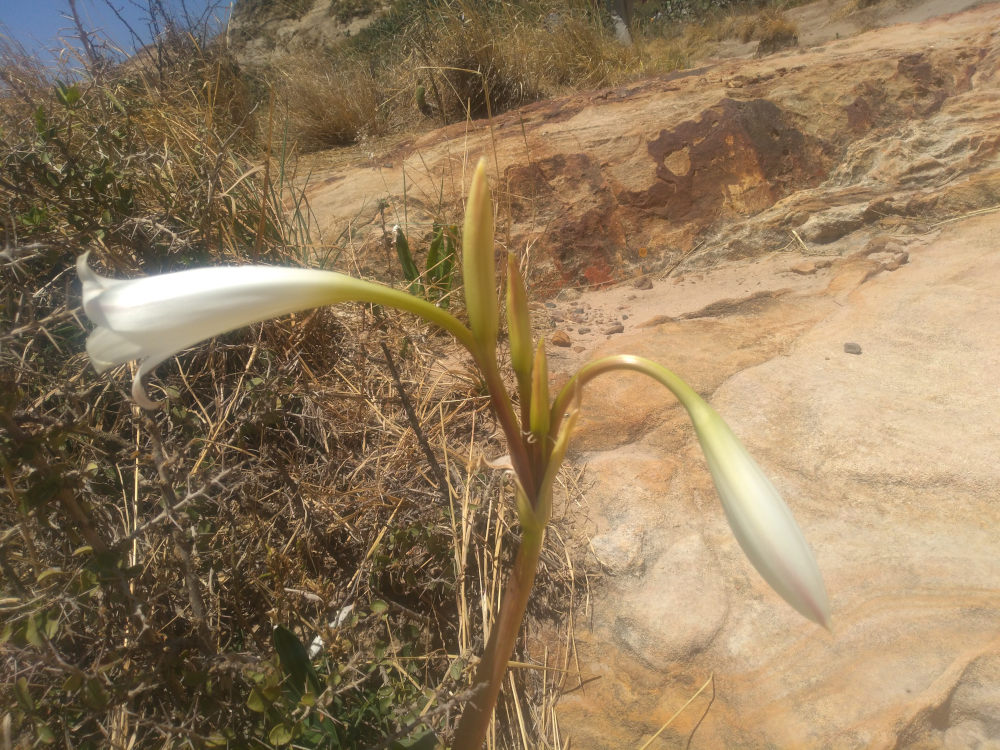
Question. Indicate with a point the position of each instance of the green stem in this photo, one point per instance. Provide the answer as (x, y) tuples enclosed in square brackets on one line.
[(378, 294), (475, 721)]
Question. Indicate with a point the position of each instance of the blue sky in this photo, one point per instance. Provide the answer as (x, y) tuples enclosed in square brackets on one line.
[(38, 24)]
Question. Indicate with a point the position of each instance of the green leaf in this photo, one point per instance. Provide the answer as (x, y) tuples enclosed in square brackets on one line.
[(216, 739), (426, 741), (45, 734), (410, 272), (280, 735), (295, 662), (67, 95), (256, 701), (24, 695), (41, 123), (434, 255), (446, 274), (51, 627), (95, 695), (379, 607), (32, 634)]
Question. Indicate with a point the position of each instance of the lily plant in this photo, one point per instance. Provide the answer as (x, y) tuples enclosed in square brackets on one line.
[(151, 319)]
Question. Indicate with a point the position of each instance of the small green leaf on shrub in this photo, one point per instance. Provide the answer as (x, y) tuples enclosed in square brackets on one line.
[(67, 95), (45, 734), (216, 739), (52, 625), (256, 701), (280, 735), (41, 122), (23, 694), (95, 695), (31, 632), (378, 607), (426, 741)]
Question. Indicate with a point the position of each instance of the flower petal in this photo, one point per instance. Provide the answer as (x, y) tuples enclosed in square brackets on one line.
[(107, 349), (139, 394)]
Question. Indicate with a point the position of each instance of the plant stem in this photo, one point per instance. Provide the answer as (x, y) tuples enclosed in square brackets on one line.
[(475, 719), (504, 411)]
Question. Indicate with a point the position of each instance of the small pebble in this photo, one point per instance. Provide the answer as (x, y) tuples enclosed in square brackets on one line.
[(616, 328), (851, 348), (560, 338), (583, 330), (643, 282)]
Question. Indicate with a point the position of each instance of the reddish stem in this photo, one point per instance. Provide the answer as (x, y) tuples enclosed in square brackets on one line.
[(475, 721)]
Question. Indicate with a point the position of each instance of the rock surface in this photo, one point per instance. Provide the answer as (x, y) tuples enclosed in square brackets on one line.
[(816, 235)]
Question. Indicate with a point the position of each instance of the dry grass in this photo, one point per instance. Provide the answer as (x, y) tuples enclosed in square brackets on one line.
[(147, 557), (329, 104), (770, 27), (465, 59), (441, 61)]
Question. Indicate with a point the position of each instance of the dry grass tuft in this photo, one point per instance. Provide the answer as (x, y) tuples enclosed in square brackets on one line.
[(770, 28), (333, 103)]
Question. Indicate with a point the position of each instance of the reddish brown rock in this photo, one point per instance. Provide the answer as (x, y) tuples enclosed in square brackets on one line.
[(719, 162)]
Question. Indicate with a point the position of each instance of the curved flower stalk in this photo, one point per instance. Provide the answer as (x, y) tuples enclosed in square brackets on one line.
[(152, 318)]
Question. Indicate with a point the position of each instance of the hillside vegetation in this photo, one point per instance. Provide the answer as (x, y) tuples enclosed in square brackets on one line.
[(148, 557), (421, 63)]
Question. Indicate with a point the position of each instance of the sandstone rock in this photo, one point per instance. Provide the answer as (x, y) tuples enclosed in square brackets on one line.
[(619, 551), (888, 462)]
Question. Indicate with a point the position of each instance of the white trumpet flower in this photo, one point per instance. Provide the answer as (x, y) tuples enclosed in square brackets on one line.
[(152, 318)]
